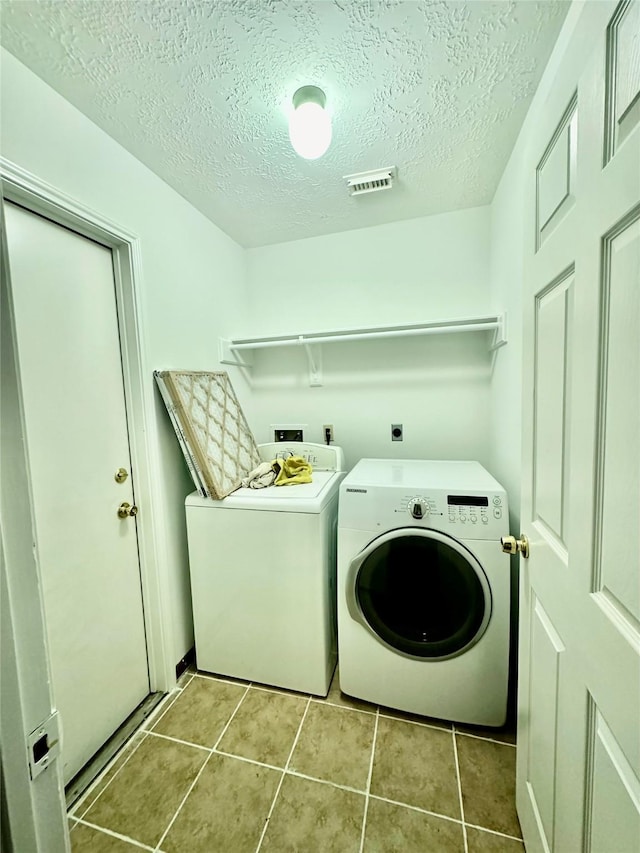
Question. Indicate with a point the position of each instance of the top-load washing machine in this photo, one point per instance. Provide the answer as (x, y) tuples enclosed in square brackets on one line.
[(424, 589), (263, 576)]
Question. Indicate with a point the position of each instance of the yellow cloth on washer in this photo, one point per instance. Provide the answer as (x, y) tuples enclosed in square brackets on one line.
[(292, 471)]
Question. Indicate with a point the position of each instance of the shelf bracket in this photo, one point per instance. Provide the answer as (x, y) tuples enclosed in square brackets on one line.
[(500, 336), (314, 356), (228, 355)]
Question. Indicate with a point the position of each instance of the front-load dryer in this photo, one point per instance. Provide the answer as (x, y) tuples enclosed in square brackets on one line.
[(424, 589), (263, 576)]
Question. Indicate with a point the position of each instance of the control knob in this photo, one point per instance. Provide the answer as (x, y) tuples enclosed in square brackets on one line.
[(418, 508)]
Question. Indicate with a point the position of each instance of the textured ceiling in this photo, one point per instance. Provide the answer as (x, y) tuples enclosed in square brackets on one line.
[(199, 91)]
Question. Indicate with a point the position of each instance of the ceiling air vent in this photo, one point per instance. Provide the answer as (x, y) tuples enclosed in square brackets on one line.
[(370, 182)]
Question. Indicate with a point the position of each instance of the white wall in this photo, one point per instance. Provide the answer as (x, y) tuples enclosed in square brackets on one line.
[(507, 236), (193, 283), (415, 271)]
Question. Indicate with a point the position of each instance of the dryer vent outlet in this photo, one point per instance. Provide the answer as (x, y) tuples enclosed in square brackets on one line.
[(288, 435)]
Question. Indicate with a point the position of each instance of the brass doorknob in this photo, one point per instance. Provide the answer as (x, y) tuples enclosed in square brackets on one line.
[(125, 510), (511, 545)]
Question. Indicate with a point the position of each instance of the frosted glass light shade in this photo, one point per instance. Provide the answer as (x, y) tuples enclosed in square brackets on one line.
[(309, 123)]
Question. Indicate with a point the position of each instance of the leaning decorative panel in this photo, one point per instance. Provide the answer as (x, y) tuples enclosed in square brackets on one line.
[(215, 439)]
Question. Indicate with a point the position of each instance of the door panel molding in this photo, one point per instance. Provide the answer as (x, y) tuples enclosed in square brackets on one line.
[(619, 364), (610, 781), (556, 174), (552, 323), (622, 98), (544, 687)]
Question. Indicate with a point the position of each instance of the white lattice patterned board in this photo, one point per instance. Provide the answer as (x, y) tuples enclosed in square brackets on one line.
[(218, 438)]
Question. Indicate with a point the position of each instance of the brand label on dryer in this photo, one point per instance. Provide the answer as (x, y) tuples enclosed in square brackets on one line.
[(361, 491)]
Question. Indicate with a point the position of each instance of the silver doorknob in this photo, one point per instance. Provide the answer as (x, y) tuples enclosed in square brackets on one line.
[(511, 545), (125, 510)]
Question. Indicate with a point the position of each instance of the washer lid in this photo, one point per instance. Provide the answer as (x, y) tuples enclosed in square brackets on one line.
[(302, 497)]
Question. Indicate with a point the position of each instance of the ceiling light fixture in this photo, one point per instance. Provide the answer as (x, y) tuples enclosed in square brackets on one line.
[(309, 123)]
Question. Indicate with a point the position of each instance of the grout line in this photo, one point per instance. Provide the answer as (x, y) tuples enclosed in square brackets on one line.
[(495, 832), (210, 676), (158, 713), (482, 737), (284, 773), (75, 811), (229, 721), (281, 692), (183, 801), (369, 776), (206, 761), (178, 740), (247, 760), (298, 775), (416, 809), (113, 834), (459, 781)]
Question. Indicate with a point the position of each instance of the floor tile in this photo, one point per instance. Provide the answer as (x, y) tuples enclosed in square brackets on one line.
[(201, 711), (488, 778), (85, 839), (264, 727), (220, 676), (226, 810), (416, 765), (315, 818), (337, 697), (143, 798), (335, 745), (398, 828), (85, 802), (487, 842)]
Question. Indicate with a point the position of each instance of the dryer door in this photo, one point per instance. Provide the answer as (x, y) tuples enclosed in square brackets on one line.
[(421, 593)]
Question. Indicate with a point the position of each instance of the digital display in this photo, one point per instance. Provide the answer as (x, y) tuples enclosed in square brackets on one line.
[(467, 500)]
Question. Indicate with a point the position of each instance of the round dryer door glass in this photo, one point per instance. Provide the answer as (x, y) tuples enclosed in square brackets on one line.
[(422, 593)]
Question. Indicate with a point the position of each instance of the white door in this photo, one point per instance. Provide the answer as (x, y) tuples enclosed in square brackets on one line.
[(76, 435), (578, 771)]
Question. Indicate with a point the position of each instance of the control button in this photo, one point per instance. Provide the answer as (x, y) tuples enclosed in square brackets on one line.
[(452, 518), (497, 513), (497, 501), (485, 520), (463, 518), (473, 519)]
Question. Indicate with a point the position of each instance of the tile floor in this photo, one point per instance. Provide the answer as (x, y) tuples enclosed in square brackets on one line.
[(223, 765)]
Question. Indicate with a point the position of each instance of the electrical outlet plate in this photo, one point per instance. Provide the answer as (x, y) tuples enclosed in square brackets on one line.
[(396, 432), (329, 428)]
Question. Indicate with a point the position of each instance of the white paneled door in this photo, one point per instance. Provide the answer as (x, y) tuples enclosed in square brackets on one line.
[(578, 785), (76, 434)]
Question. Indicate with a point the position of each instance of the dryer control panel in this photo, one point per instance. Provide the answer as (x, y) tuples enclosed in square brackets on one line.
[(474, 516), (465, 516)]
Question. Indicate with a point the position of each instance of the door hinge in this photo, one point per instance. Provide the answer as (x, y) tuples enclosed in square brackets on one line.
[(43, 745)]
